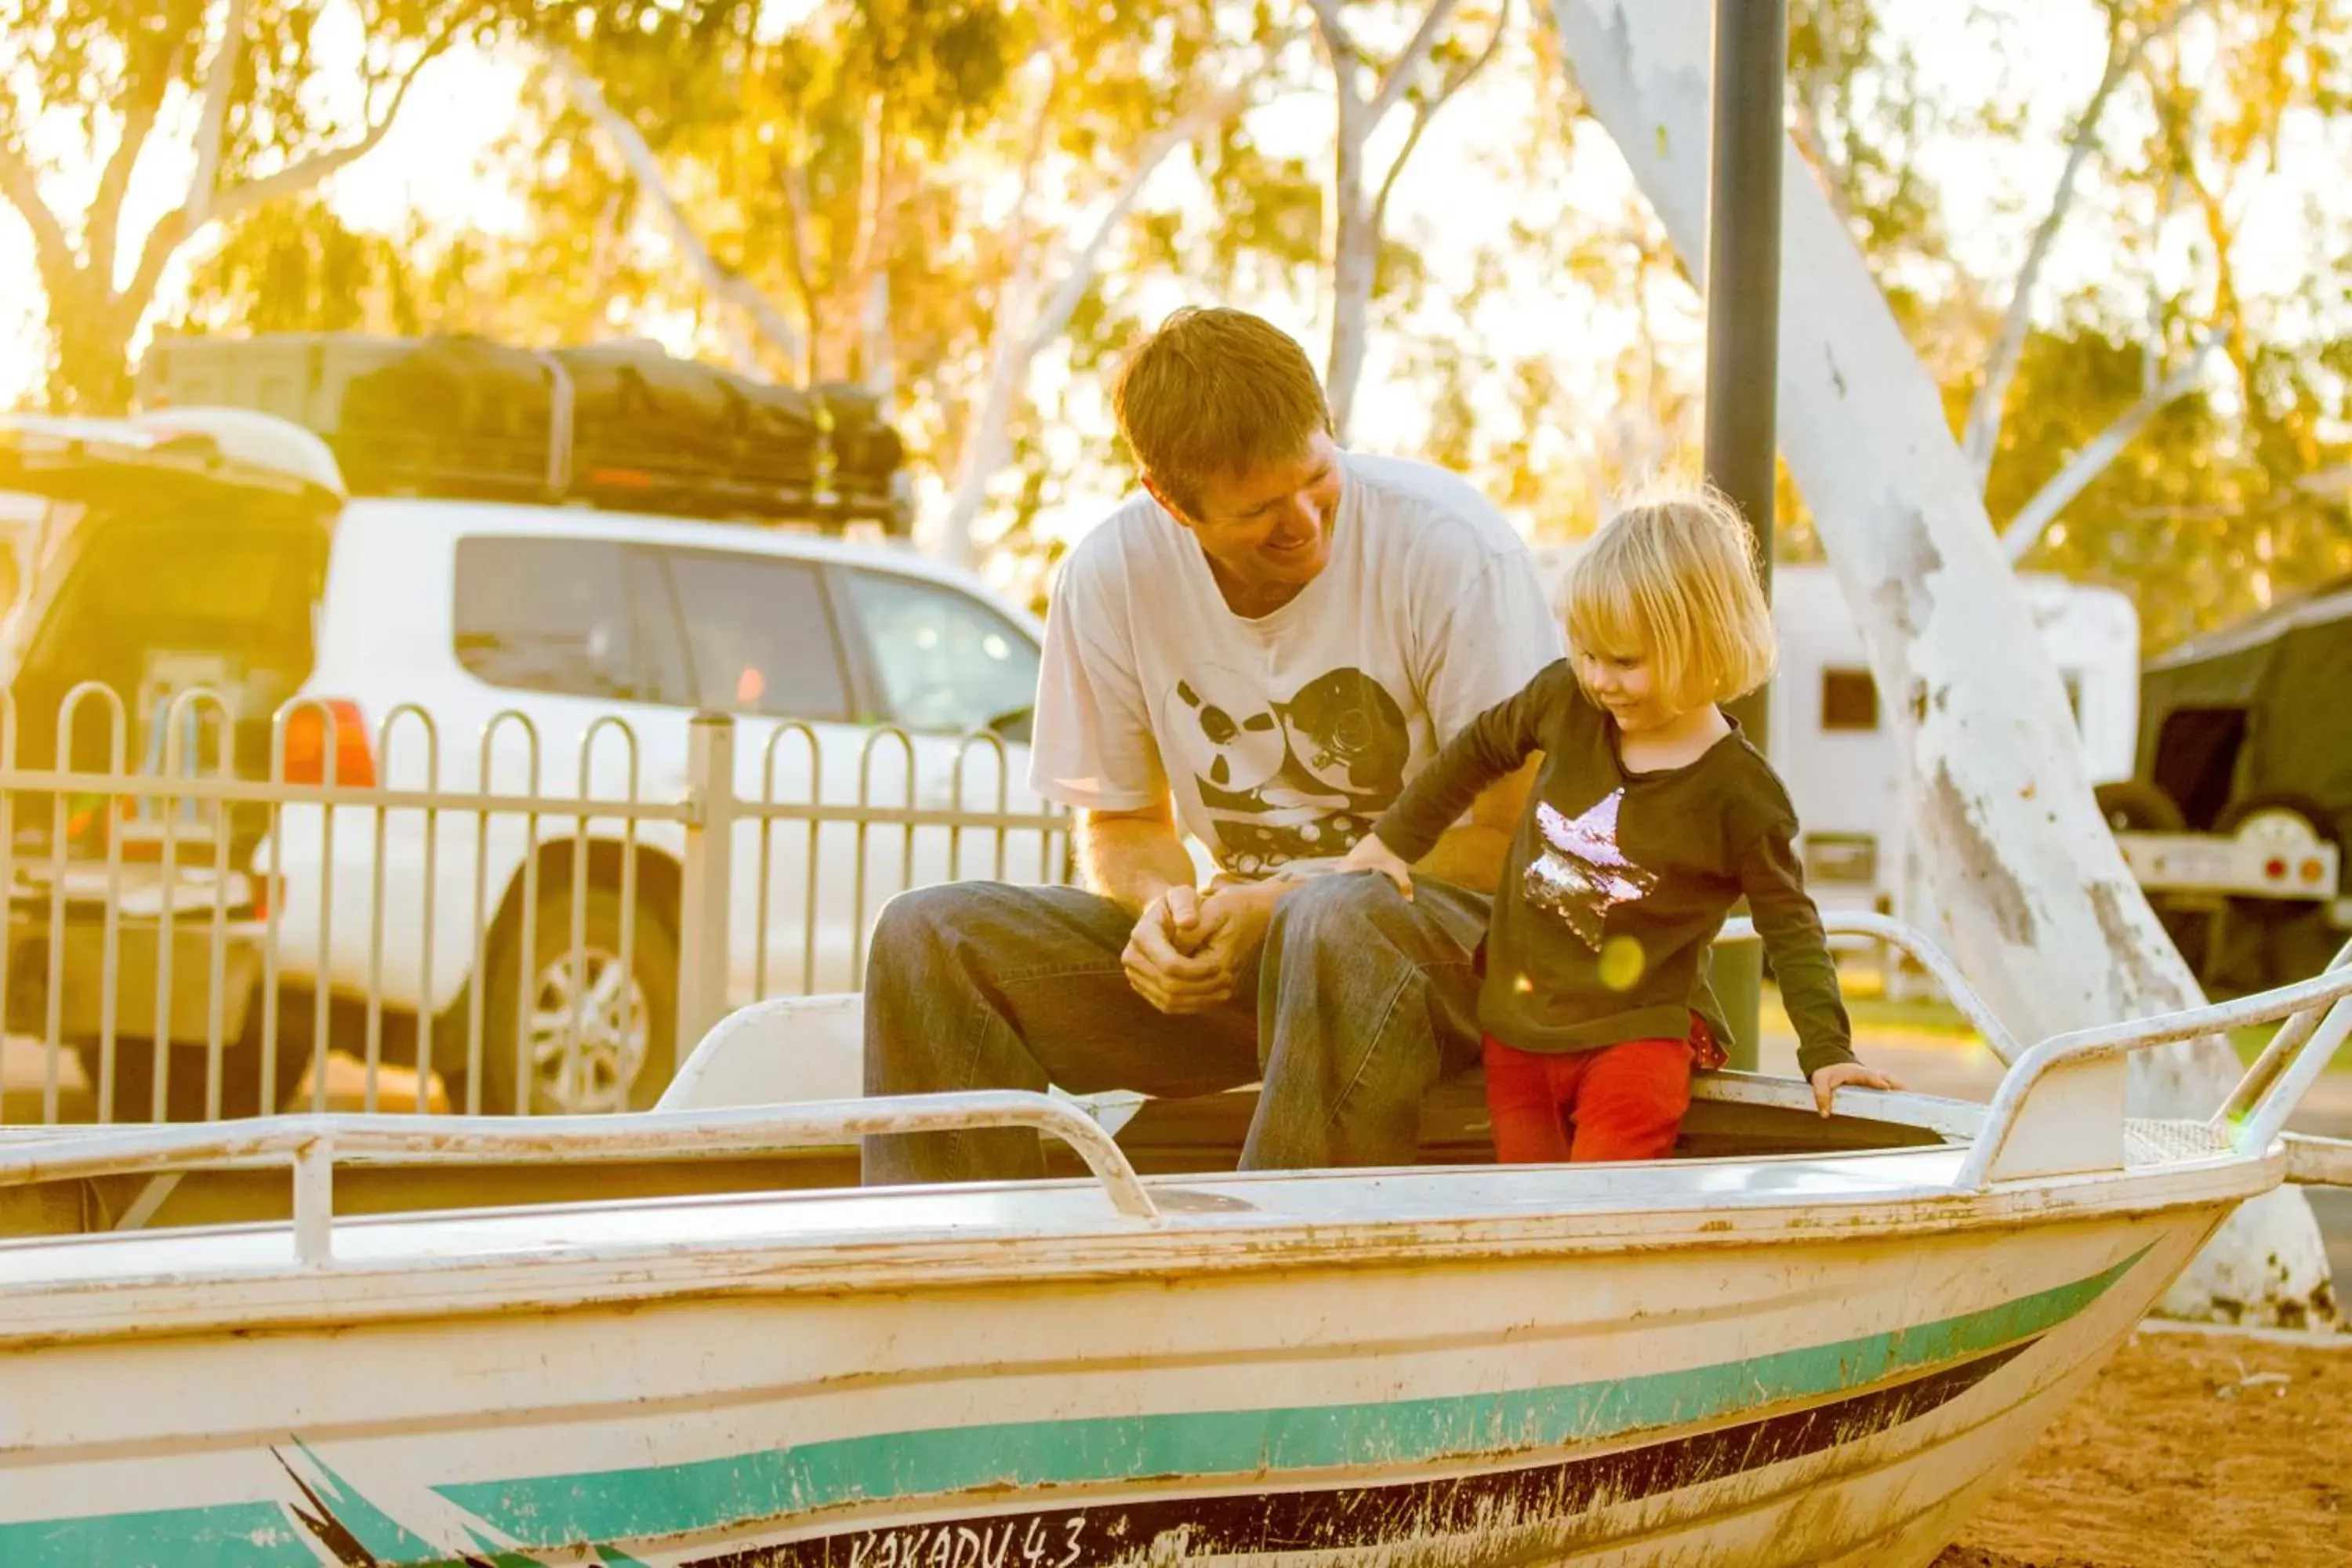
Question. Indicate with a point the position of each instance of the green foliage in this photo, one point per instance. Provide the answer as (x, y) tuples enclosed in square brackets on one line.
[(109, 70), (871, 150)]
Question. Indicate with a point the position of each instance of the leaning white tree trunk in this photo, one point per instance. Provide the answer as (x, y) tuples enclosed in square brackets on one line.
[(2045, 917)]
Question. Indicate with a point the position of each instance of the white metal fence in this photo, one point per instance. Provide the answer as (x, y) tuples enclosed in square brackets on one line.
[(189, 934)]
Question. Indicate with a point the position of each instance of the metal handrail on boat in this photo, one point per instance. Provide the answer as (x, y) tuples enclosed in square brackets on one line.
[(1929, 957), (2325, 999), (2285, 1047), (313, 1143)]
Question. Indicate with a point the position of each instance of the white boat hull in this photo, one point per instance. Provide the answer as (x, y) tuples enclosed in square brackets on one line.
[(1771, 1361), (1797, 1398)]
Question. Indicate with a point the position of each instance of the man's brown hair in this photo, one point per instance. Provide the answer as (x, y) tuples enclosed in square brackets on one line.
[(1214, 393)]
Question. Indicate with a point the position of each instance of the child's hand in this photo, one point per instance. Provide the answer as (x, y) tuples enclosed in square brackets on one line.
[(1828, 1080), (1370, 855)]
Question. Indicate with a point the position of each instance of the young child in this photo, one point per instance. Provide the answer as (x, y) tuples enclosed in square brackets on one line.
[(1650, 816)]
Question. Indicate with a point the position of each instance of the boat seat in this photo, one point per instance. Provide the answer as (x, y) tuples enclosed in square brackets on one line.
[(793, 1048)]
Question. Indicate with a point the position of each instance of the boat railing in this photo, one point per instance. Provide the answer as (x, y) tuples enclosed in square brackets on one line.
[(2317, 1015), (312, 1145), (2284, 1051), (1926, 953)]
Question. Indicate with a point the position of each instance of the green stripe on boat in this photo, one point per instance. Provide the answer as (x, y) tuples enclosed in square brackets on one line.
[(677, 1500), (235, 1535), (714, 1495)]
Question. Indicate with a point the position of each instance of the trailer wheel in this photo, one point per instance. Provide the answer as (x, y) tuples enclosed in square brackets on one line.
[(2136, 805)]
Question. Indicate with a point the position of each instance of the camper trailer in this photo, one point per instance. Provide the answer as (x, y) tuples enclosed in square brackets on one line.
[(1833, 741), (2238, 813)]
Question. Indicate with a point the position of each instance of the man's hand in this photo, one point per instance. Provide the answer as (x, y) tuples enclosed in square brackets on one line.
[(1163, 958), (1233, 919), (1189, 951), (1828, 1080)]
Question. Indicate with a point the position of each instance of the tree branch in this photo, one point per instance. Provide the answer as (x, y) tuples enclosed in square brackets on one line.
[(987, 442), (607, 244), (1408, 63), (1337, 41), (174, 228), (103, 227), (1012, 289), (876, 367), (1426, 110), (1054, 315), (1357, 120), (247, 194), (1986, 409), (799, 242), (2034, 518), (725, 286), (2228, 309), (871, 153), (20, 184), (220, 81)]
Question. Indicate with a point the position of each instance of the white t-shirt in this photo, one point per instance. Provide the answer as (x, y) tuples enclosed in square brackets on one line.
[(1281, 739)]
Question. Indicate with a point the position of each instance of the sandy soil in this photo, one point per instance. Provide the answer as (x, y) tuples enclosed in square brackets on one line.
[(2186, 1451)]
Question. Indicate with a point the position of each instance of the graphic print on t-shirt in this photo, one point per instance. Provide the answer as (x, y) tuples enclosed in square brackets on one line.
[(1581, 874), (1295, 779)]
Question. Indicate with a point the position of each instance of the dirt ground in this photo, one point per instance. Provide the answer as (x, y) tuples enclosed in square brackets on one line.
[(2189, 1450)]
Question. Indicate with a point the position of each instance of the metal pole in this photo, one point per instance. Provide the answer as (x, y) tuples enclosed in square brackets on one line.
[(1743, 320), (705, 899)]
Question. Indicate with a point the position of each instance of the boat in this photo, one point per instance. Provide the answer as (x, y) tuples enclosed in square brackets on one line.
[(653, 1340)]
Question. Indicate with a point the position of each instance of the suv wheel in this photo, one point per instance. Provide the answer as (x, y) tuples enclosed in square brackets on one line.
[(625, 1048)]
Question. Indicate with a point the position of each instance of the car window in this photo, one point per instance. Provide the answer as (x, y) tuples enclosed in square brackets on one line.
[(569, 616), (947, 662), (759, 636)]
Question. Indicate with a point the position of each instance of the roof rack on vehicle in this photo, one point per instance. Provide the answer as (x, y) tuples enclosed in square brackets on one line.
[(620, 425)]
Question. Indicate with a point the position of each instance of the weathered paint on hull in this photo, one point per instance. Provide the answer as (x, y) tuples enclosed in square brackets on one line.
[(1823, 1398)]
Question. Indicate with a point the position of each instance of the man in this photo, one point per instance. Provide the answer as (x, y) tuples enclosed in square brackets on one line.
[(1263, 647)]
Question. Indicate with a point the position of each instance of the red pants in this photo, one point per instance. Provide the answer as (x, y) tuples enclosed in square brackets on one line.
[(1626, 1100)]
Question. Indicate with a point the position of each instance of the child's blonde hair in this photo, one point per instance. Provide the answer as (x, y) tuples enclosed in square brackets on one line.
[(1671, 577)]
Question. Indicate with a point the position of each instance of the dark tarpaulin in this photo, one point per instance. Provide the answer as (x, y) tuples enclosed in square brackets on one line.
[(2290, 670)]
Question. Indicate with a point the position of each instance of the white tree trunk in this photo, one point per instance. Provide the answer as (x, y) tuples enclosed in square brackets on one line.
[(1357, 212), (989, 447), (1355, 262), (2046, 919)]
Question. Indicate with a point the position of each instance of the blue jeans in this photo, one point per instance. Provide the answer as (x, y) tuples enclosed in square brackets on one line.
[(1356, 1005)]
